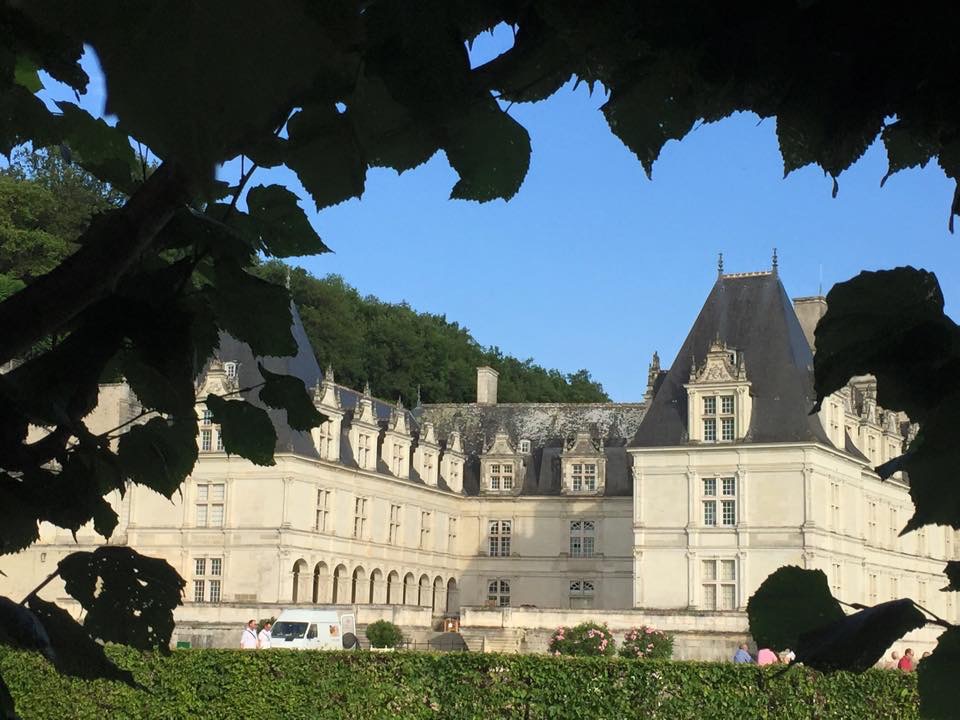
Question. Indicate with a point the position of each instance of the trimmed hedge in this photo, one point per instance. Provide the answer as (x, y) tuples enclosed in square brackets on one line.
[(230, 684)]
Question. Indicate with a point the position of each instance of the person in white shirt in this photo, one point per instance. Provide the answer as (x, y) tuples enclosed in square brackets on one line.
[(248, 640), (264, 637)]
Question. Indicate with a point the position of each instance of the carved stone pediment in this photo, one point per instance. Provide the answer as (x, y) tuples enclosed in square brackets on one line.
[(722, 365)]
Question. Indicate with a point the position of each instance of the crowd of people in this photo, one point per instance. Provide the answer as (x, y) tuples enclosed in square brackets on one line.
[(766, 656), (250, 639)]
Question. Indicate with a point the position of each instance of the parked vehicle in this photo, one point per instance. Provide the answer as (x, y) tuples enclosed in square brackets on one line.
[(315, 630)]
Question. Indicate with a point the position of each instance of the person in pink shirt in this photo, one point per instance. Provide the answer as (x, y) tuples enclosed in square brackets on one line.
[(766, 656)]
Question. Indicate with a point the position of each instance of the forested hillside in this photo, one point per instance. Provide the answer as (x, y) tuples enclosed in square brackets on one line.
[(46, 203), (399, 349)]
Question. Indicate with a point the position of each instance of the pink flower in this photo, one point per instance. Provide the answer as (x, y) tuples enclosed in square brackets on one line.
[(648, 630)]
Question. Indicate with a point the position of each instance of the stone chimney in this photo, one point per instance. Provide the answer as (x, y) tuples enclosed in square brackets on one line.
[(809, 311), (487, 385)]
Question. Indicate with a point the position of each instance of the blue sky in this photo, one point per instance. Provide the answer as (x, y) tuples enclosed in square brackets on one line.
[(592, 265)]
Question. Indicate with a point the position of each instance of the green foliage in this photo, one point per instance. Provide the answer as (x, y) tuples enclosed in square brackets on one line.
[(384, 634), (286, 392), (646, 643), (245, 428), (587, 639), (399, 350), (791, 592), (201, 684)]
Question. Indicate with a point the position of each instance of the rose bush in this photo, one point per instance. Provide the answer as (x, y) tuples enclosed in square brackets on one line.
[(587, 638), (647, 643)]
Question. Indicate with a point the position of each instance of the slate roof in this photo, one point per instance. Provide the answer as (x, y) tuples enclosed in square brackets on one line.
[(751, 313)]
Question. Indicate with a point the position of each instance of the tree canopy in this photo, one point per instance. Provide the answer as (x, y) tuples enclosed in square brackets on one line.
[(328, 90), (408, 354)]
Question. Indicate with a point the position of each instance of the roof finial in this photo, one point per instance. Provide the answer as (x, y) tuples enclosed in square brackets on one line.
[(366, 388), (775, 261), (287, 282), (720, 265), (419, 399)]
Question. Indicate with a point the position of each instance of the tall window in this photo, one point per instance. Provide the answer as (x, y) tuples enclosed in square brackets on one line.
[(498, 593), (323, 511), (363, 450), (581, 593), (428, 466), (894, 587), (584, 477), (451, 535), (719, 584), (394, 530), (207, 573), (872, 588), (894, 526), (720, 501), (718, 417), (836, 579), (501, 476), (500, 531), (360, 518), (231, 369), (399, 458), (426, 520), (922, 592), (206, 440), (835, 505), (326, 440), (211, 437), (524, 447), (872, 522), (455, 473), (583, 535), (921, 541), (209, 505)]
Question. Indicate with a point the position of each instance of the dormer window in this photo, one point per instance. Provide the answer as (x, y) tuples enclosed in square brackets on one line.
[(583, 465), (501, 476), (718, 425), (584, 477), (719, 404), (524, 447), (230, 368)]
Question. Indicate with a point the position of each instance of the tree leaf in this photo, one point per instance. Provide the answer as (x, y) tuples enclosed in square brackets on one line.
[(858, 641), (129, 598), (20, 528), (20, 628), (931, 463), (286, 392), (790, 602), (252, 310), (159, 454), (490, 152), (937, 678), (98, 148), (246, 429), (24, 118), (25, 74), (324, 154), (952, 571), (73, 651), (905, 148), (283, 226)]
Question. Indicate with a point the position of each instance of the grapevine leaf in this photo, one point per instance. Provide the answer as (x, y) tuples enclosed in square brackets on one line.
[(286, 392), (159, 454), (790, 602), (937, 678), (246, 429), (284, 228)]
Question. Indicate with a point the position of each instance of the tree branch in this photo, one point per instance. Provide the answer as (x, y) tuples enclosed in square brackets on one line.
[(41, 586), (107, 250)]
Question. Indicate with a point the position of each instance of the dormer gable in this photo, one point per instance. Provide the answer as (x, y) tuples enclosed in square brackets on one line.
[(451, 464), (426, 456), (584, 465), (326, 436), (217, 380), (719, 405), (395, 450), (364, 432), (501, 467)]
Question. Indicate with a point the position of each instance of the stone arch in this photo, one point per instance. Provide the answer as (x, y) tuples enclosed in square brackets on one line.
[(394, 591), (357, 587), (321, 583), (340, 582), (378, 591), (299, 577), (409, 589), (438, 604), (453, 597), (424, 596)]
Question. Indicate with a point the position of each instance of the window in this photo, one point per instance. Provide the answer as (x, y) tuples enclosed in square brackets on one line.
[(922, 592), (894, 526), (219, 440), (394, 529), (360, 518), (948, 543), (500, 537), (836, 579), (726, 429), (921, 541), (451, 534), (206, 583), (835, 505), (710, 430), (323, 511), (426, 520), (581, 587), (719, 584), (726, 404), (498, 593), (872, 588), (428, 466), (709, 406), (524, 447), (720, 509), (364, 447), (209, 506), (872, 522), (399, 459), (501, 476), (207, 417), (712, 419), (231, 369), (582, 538), (584, 477), (455, 473), (894, 588), (326, 440), (206, 440)]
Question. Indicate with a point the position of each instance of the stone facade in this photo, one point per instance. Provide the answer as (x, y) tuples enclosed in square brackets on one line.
[(516, 518)]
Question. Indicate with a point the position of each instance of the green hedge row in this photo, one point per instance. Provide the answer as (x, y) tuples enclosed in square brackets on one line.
[(230, 684)]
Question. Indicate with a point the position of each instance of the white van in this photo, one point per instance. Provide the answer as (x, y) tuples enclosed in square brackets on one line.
[(314, 630)]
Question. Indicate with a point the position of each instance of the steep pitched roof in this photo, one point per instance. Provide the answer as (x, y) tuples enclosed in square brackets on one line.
[(751, 313)]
